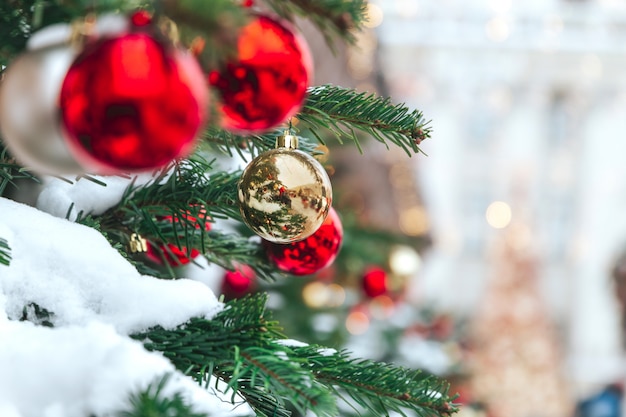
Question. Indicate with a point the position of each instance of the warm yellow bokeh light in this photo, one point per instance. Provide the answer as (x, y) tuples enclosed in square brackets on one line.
[(374, 16), (404, 260), (414, 221), (315, 295), (336, 295), (499, 215)]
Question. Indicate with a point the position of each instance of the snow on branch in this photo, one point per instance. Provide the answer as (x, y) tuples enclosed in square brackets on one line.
[(72, 272)]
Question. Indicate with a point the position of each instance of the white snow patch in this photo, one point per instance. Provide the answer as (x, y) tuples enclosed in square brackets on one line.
[(72, 271), (327, 351), (282, 355), (57, 196), (86, 365), (78, 371), (290, 343)]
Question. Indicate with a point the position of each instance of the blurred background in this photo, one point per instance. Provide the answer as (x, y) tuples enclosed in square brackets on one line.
[(494, 259)]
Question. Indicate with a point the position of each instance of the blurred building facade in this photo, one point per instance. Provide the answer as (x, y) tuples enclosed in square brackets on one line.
[(528, 109)]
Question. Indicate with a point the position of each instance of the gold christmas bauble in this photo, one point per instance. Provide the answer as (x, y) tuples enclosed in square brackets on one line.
[(284, 194)]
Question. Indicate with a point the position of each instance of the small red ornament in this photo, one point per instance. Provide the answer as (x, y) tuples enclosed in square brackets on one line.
[(375, 282), (173, 254), (312, 254), (141, 18), (131, 103), (266, 83), (239, 282)]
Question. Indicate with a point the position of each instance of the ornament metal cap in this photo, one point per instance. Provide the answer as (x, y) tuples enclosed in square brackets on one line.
[(287, 140)]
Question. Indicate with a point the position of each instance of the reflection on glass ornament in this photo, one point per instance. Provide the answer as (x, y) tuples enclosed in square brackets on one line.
[(266, 82), (28, 103), (284, 194)]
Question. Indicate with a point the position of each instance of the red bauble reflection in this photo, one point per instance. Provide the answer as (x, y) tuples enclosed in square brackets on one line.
[(266, 83), (131, 103), (239, 282), (375, 282), (173, 254), (311, 254)]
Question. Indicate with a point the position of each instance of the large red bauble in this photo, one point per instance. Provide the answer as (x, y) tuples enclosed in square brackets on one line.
[(312, 254), (266, 83), (131, 103), (375, 282)]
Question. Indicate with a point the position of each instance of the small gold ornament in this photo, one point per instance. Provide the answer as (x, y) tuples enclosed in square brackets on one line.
[(284, 193), (137, 244)]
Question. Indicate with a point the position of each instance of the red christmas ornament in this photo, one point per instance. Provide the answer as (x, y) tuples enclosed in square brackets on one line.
[(312, 254), (131, 103), (173, 254), (375, 282), (141, 18), (266, 83), (239, 282)]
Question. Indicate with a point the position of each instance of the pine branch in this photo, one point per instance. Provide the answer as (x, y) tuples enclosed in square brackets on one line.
[(289, 379), (211, 31), (19, 18), (343, 112), (5, 252), (186, 195), (381, 387), (240, 346), (332, 17), (10, 170), (183, 184), (203, 347), (229, 250), (250, 145), (151, 402)]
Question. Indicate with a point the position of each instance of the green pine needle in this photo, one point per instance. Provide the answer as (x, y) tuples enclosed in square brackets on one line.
[(11, 172), (343, 111), (151, 402), (332, 17), (245, 349), (250, 145), (5, 252)]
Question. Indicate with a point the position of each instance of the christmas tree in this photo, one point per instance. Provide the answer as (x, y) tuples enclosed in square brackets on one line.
[(141, 137), (512, 341)]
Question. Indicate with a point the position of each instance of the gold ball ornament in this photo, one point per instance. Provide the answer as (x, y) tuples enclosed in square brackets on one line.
[(284, 193)]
